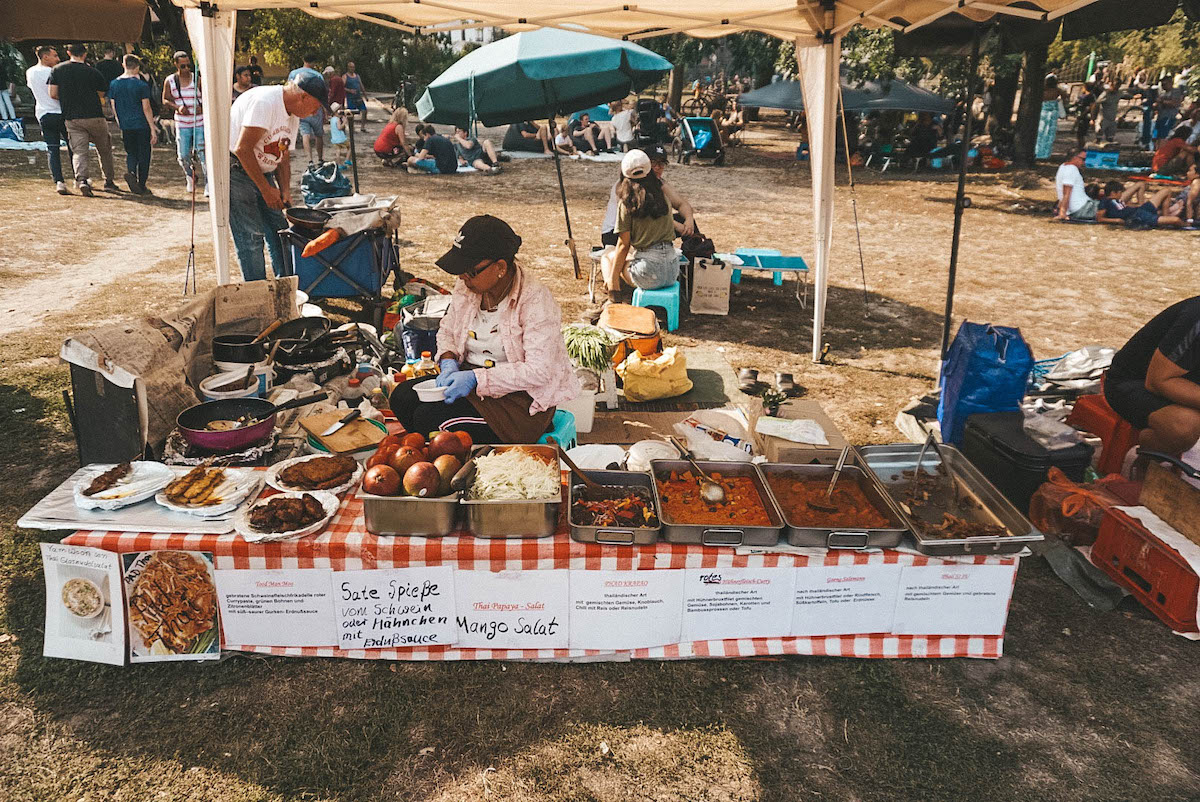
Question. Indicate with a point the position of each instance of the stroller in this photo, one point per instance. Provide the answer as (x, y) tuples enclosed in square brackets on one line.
[(698, 138), (650, 130)]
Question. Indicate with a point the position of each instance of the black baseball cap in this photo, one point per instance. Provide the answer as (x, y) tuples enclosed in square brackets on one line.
[(311, 82), (480, 238), (657, 153)]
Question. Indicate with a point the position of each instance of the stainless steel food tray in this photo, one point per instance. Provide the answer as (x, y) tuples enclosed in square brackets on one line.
[(515, 519), (733, 534), (840, 537), (614, 535), (409, 515), (983, 502)]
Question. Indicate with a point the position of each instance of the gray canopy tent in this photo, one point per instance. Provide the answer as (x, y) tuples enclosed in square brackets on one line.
[(895, 95)]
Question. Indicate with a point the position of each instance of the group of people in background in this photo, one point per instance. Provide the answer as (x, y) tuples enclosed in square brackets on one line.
[(1130, 204)]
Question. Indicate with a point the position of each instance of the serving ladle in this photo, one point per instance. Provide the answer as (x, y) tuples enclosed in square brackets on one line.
[(710, 491)]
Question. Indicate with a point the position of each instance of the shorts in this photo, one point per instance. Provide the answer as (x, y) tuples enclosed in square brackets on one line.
[(1131, 400), (1144, 216), (655, 267), (471, 155), (609, 238), (356, 104), (582, 144), (428, 165), (313, 126), (1087, 211)]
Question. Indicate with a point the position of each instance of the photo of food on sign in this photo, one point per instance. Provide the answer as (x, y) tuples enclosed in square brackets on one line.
[(172, 606), (85, 596)]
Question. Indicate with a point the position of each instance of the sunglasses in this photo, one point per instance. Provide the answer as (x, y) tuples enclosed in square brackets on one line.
[(474, 272)]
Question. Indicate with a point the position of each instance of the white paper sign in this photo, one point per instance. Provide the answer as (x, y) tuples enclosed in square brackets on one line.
[(394, 607), (85, 614), (279, 607), (953, 599), (724, 603), (625, 609), (512, 609), (845, 600)]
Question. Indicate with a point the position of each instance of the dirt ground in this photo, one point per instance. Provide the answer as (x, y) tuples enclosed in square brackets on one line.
[(1083, 705)]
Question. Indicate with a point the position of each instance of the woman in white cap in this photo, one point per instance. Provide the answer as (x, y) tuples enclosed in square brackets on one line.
[(645, 257)]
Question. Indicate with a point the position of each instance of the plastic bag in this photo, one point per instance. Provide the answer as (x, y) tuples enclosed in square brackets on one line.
[(727, 427), (1072, 510), (652, 378), (986, 370), (324, 181)]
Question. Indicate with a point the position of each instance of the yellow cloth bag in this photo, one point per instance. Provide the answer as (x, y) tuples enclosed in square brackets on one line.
[(648, 378)]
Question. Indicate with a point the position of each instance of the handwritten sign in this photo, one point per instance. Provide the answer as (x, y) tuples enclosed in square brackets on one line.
[(953, 599), (512, 609), (845, 600), (625, 609), (279, 607), (721, 603), (85, 616), (394, 608)]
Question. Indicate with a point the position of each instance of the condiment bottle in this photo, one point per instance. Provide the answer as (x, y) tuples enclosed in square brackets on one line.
[(425, 367), (354, 390)]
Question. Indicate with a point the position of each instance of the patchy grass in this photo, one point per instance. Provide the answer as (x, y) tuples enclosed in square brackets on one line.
[(1084, 705)]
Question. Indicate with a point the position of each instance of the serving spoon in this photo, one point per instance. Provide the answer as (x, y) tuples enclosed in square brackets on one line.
[(710, 491)]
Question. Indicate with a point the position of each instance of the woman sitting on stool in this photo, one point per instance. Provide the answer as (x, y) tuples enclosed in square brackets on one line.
[(500, 349), (645, 226)]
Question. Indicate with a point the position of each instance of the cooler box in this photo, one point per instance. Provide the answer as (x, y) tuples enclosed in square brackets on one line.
[(1013, 461), (1102, 158), (1153, 572), (365, 260)]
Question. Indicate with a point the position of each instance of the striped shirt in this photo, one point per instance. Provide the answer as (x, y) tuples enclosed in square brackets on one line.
[(185, 96)]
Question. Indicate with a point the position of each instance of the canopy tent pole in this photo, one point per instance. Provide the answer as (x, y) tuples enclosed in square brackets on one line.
[(819, 65), (211, 32), (961, 202)]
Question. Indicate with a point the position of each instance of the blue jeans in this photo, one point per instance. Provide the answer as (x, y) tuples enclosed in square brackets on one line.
[(252, 222), (188, 139), (54, 132)]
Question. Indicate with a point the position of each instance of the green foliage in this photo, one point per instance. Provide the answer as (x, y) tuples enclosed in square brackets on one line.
[(383, 56)]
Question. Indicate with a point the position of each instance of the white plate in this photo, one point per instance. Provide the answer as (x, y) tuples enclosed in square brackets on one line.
[(144, 480), (273, 476), (237, 484), (241, 523)]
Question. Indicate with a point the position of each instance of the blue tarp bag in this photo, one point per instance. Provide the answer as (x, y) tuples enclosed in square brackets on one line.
[(324, 181), (985, 370)]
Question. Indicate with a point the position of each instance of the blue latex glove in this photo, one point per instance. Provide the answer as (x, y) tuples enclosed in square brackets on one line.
[(448, 368), (460, 386)]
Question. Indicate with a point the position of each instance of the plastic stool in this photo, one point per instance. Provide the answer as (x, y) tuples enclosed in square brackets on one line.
[(736, 278), (562, 429), (1093, 414), (667, 298)]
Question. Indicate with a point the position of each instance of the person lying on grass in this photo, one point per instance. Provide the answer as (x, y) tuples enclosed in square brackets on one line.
[(1174, 155), (1126, 204), (1183, 202)]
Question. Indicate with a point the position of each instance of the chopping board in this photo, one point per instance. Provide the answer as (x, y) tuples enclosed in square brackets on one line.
[(354, 436), (1177, 502)]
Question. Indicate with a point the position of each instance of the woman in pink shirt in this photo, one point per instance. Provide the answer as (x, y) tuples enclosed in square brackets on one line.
[(500, 348)]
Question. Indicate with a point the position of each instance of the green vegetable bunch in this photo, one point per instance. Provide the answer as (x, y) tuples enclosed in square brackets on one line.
[(589, 347)]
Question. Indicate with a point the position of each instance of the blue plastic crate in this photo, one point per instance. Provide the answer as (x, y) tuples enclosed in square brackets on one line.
[(1102, 158), (368, 260)]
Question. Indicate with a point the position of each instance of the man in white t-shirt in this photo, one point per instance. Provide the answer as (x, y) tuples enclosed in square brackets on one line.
[(48, 112), (1073, 200), (262, 127), (623, 120)]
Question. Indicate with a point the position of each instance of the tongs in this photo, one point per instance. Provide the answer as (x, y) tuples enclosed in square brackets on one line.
[(825, 505), (930, 440)]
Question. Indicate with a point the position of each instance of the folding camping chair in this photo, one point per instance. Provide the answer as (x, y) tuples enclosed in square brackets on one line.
[(354, 268)]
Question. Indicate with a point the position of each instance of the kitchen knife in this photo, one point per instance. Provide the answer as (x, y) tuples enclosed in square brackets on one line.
[(353, 414)]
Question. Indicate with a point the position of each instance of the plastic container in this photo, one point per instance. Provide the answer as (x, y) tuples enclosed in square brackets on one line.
[(1013, 461), (353, 391), (1153, 572), (429, 392), (254, 390), (264, 372), (583, 407)]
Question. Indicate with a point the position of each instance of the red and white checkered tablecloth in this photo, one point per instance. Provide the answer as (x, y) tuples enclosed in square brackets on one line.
[(346, 545)]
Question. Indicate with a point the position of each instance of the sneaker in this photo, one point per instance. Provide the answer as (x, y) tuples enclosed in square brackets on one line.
[(495, 170), (132, 182), (191, 184), (111, 186), (145, 189), (85, 189), (61, 188)]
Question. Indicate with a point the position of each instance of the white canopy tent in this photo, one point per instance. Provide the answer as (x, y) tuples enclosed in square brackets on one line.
[(816, 27)]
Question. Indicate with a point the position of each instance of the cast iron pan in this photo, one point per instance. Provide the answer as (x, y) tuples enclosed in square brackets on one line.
[(311, 220), (238, 348), (302, 328)]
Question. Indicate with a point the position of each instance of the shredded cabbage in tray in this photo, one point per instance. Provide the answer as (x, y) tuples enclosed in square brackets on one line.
[(514, 475)]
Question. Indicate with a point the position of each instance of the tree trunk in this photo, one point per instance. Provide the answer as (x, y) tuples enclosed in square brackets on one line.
[(675, 88), (171, 17), (1004, 95), (1033, 83)]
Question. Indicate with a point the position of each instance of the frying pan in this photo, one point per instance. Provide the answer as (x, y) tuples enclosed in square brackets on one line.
[(192, 421), (238, 348), (302, 217), (302, 328)]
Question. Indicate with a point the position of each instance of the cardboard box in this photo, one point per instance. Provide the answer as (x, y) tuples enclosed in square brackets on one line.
[(779, 450)]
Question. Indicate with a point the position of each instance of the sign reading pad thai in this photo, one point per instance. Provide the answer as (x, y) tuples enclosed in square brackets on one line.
[(394, 608)]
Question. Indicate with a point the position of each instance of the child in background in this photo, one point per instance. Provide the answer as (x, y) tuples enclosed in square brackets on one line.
[(341, 142)]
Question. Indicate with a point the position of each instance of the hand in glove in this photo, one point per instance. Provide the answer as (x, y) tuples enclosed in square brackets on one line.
[(448, 368), (460, 386)]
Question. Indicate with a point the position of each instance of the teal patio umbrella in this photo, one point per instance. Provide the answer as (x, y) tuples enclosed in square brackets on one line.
[(537, 74)]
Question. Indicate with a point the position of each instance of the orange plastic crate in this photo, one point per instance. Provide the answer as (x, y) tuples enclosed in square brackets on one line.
[(1153, 572)]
